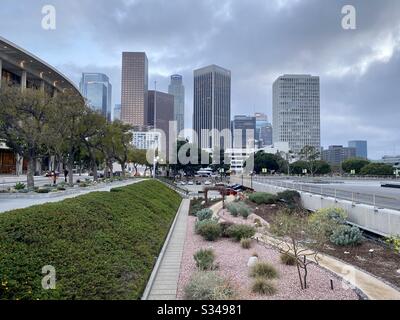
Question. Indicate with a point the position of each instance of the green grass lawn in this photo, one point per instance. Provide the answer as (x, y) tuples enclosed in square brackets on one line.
[(103, 245)]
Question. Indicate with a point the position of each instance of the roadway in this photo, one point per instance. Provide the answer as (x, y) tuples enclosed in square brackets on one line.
[(360, 191)]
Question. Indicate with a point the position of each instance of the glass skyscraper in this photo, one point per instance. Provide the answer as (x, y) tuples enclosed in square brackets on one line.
[(177, 89), (263, 134), (361, 147), (97, 89)]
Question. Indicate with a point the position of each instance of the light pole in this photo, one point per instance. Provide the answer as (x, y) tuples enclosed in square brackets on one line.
[(155, 127)]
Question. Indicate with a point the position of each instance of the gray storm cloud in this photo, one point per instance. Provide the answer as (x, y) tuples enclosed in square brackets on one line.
[(257, 39)]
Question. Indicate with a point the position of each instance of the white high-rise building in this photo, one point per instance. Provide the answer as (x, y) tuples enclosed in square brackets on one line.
[(296, 111)]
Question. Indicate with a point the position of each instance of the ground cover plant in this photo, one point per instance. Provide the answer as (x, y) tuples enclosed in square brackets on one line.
[(103, 245)]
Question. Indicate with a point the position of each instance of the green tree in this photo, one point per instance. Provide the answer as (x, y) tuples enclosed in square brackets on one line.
[(265, 160), (323, 167), (377, 169), (310, 155), (354, 164), (24, 124), (68, 123), (138, 158)]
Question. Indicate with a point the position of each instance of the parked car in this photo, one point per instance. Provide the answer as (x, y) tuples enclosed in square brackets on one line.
[(198, 183), (190, 183), (207, 183), (230, 192), (183, 183)]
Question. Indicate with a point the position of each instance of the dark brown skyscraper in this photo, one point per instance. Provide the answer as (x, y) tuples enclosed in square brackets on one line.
[(134, 88), (164, 114)]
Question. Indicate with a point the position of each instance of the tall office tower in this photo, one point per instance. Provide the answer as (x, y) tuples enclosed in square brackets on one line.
[(243, 132), (117, 112), (177, 89), (263, 130), (212, 106), (134, 88), (361, 147), (97, 89), (335, 155), (163, 111), (296, 111)]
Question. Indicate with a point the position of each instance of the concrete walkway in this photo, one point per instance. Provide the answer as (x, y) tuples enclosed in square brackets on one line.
[(163, 283), (7, 204)]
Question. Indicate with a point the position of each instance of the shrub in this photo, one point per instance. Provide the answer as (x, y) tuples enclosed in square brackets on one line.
[(45, 190), (205, 259), (262, 198), (240, 231), (204, 214), (263, 286), (290, 197), (83, 185), (328, 219), (346, 236), (288, 259), (60, 188), (210, 230), (208, 286), (233, 209), (257, 223), (19, 186), (92, 232), (239, 208), (224, 228), (263, 270), (245, 243)]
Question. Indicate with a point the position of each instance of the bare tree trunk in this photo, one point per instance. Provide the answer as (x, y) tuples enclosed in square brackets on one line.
[(70, 172), (95, 176), (30, 180), (123, 169)]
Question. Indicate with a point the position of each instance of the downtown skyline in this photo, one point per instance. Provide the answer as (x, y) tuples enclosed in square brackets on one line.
[(357, 68)]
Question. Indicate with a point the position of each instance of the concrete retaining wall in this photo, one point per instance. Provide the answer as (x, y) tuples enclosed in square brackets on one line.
[(384, 222)]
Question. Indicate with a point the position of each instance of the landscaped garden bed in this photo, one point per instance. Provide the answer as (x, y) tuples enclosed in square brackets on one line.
[(232, 261), (383, 262), (224, 258), (103, 245)]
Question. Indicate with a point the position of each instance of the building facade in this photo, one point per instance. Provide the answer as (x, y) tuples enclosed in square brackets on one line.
[(335, 155), (177, 89), (145, 140), (134, 88), (243, 131), (161, 109), (391, 161), (296, 111), (97, 90), (117, 112), (212, 107), (20, 68), (361, 147), (263, 134)]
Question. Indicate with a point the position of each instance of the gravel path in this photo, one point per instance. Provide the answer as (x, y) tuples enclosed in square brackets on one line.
[(233, 260)]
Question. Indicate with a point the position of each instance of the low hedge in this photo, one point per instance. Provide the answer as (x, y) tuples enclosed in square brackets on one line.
[(103, 245)]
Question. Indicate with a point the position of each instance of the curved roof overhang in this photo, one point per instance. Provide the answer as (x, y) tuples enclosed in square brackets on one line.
[(18, 60)]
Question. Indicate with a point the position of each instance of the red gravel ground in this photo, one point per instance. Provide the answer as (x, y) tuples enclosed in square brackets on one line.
[(232, 260)]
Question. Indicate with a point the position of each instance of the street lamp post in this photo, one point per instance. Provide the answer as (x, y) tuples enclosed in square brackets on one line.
[(155, 127)]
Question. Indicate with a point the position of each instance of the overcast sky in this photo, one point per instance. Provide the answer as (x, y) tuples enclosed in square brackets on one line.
[(258, 40)]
